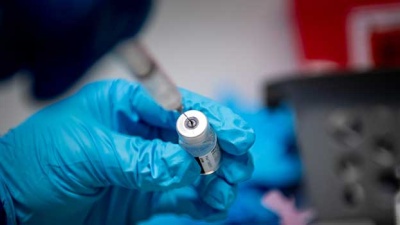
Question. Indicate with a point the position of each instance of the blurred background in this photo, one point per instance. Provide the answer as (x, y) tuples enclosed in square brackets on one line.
[(202, 45), (316, 79)]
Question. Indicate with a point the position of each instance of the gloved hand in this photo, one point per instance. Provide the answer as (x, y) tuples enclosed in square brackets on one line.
[(109, 155), (57, 41), (277, 165)]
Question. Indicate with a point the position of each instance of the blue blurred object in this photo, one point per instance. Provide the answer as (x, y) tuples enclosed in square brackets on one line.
[(276, 156), (276, 164), (109, 155), (247, 209), (57, 41)]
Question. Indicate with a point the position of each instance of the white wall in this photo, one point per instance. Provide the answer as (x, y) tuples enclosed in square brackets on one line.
[(201, 44)]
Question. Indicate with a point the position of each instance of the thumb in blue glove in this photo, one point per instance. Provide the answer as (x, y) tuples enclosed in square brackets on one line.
[(101, 155)]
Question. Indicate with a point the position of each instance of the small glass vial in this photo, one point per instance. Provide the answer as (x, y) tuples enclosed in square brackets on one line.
[(198, 138)]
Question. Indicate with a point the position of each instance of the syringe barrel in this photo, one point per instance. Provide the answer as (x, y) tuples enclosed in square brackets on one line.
[(149, 74), (199, 139), (163, 91)]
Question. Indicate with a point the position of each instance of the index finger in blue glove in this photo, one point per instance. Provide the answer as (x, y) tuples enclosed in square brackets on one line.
[(114, 104), (219, 190), (216, 192), (129, 162), (155, 165), (235, 169), (128, 101)]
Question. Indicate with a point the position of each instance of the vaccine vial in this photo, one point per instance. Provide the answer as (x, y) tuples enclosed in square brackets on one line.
[(198, 138)]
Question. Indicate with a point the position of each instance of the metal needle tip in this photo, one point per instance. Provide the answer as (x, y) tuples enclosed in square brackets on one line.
[(180, 109), (190, 121)]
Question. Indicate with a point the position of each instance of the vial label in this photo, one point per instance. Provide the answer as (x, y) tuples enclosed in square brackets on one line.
[(209, 163)]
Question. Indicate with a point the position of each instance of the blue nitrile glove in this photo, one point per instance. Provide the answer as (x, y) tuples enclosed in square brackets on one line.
[(276, 165), (109, 155)]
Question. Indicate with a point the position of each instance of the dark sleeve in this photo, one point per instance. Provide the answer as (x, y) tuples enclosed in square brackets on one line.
[(57, 41), (2, 215)]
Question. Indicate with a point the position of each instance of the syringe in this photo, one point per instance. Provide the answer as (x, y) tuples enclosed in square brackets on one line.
[(148, 73)]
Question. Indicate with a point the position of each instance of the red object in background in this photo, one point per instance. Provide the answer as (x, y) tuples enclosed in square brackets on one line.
[(385, 46), (323, 31)]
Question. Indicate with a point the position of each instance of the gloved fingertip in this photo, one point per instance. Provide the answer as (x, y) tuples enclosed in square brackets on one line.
[(219, 194), (153, 165), (191, 173), (236, 169), (236, 140), (181, 168)]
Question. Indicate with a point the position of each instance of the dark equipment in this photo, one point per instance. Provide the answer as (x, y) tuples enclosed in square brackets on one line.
[(348, 127)]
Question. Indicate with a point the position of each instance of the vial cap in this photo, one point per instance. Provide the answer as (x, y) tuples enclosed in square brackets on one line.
[(192, 130)]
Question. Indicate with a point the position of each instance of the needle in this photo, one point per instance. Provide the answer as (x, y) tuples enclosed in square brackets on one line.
[(181, 111), (191, 122)]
